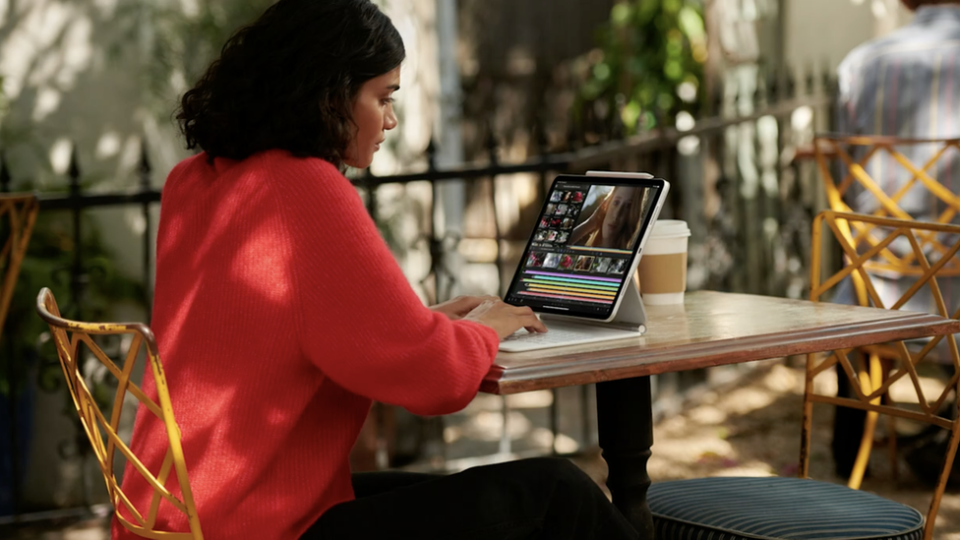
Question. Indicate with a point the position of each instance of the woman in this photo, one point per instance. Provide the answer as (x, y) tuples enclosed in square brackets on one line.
[(615, 223), (281, 313)]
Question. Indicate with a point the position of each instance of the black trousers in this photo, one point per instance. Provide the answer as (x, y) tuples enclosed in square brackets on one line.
[(546, 498)]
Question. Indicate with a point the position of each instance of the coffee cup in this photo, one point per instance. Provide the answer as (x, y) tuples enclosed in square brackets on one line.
[(662, 271)]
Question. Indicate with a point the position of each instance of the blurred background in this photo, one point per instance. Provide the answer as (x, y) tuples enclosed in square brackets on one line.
[(721, 97)]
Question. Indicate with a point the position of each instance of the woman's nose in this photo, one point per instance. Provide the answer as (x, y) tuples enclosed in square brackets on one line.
[(389, 120)]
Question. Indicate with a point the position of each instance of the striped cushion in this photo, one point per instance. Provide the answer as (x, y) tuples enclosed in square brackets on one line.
[(776, 508)]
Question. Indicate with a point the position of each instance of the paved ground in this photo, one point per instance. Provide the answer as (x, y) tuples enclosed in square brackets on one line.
[(749, 428)]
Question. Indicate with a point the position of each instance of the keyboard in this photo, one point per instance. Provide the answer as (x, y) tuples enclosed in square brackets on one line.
[(561, 334)]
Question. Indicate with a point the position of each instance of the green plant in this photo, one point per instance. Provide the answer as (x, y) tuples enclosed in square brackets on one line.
[(48, 263), (649, 65)]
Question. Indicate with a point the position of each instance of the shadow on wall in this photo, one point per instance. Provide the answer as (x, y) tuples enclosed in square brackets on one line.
[(98, 77), (102, 74)]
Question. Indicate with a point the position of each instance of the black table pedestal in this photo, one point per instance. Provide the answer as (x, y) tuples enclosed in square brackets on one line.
[(625, 425)]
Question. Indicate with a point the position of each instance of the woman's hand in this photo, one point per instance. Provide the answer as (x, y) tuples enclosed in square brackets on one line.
[(457, 308), (504, 318)]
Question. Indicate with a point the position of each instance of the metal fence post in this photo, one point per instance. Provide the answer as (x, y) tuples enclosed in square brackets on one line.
[(4, 173), (77, 285), (370, 188), (490, 143), (144, 169), (76, 271), (434, 242)]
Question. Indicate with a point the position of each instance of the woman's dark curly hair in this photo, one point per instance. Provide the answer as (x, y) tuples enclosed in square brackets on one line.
[(289, 80)]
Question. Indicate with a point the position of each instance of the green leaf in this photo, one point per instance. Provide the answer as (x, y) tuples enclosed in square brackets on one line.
[(647, 12), (649, 120), (620, 14), (674, 48), (630, 114), (673, 70), (601, 71), (665, 102), (691, 23)]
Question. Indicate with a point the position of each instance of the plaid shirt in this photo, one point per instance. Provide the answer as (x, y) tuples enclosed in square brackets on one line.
[(906, 84)]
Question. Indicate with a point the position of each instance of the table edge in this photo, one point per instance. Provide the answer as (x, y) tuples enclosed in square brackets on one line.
[(622, 362)]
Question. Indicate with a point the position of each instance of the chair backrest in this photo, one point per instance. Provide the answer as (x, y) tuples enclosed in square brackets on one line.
[(102, 431), (930, 264), (898, 187), (18, 213)]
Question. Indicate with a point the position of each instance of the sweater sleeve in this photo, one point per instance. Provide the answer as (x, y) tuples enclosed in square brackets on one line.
[(361, 322)]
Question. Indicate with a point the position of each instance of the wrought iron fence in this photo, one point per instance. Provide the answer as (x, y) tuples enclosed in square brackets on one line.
[(748, 202)]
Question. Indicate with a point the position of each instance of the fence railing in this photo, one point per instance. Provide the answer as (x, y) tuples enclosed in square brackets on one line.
[(749, 205)]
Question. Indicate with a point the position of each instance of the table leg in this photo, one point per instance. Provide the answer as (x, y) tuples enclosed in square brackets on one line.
[(625, 425)]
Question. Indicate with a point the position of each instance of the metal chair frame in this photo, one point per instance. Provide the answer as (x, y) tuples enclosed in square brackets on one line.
[(20, 210), (839, 146), (889, 204), (102, 432), (870, 385)]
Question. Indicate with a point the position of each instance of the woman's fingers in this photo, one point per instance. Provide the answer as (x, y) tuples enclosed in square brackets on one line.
[(465, 304), (504, 318), (530, 321)]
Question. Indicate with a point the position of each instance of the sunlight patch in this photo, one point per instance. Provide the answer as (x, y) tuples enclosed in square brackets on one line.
[(60, 155), (107, 7), (263, 264), (488, 426), (77, 51), (753, 469), (191, 8), (564, 444), (109, 145), (48, 101)]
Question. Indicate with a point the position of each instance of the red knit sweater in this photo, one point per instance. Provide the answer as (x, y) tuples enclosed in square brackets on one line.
[(280, 314)]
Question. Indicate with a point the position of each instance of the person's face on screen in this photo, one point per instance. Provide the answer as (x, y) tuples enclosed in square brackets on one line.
[(373, 116), (617, 211)]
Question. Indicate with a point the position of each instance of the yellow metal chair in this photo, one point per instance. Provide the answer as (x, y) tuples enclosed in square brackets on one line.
[(939, 204), (102, 431), (18, 213), (799, 508), (856, 152)]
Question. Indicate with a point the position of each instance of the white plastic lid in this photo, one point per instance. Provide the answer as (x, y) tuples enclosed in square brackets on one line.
[(670, 227)]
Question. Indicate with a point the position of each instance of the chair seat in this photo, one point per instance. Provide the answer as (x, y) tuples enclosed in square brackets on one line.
[(729, 508)]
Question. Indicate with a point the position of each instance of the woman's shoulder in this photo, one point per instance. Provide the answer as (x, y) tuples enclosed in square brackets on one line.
[(287, 169), (283, 161), (276, 171), (307, 182), (186, 173)]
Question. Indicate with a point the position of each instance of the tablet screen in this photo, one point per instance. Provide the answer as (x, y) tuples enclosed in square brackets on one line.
[(586, 237)]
